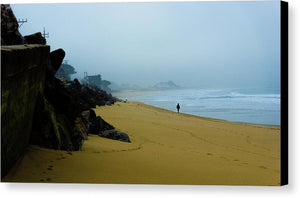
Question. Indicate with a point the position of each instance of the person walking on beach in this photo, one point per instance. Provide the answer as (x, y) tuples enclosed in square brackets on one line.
[(178, 107)]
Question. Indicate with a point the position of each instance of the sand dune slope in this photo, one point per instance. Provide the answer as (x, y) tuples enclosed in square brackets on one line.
[(166, 148)]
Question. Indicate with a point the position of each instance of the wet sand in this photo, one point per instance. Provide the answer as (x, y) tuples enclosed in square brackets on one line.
[(166, 148)]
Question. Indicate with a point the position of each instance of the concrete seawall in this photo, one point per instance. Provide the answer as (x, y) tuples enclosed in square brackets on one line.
[(23, 71)]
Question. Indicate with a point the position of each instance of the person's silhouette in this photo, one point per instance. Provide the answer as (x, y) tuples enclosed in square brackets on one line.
[(178, 107)]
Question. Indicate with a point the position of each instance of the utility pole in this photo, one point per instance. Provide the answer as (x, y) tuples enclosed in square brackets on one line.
[(44, 34), (21, 22), (85, 76)]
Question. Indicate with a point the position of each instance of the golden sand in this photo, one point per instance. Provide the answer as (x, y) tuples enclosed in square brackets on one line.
[(166, 148)]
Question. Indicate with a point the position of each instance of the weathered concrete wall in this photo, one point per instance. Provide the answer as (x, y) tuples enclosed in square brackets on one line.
[(22, 78)]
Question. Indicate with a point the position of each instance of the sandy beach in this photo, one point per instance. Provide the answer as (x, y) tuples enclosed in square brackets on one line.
[(166, 148)]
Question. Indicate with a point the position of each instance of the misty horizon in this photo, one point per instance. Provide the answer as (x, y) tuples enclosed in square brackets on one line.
[(194, 44)]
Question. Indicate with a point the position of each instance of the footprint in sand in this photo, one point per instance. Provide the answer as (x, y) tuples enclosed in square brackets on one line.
[(225, 158), (50, 168), (263, 167), (209, 154), (48, 180)]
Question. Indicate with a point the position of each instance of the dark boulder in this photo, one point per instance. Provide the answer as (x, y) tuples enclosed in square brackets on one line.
[(56, 58), (115, 135), (75, 85), (80, 128), (36, 38), (85, 117), (62, 99), (97, 123), (89, 119), (103, 124), (10, 34), (52, 129)]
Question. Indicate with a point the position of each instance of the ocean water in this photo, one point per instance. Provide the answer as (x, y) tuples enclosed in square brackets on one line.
[(247, 106)]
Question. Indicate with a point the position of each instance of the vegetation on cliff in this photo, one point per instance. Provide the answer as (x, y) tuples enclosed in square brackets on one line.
[(65, 71)]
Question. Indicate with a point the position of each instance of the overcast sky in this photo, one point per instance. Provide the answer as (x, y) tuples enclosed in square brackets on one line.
[(198, 44)]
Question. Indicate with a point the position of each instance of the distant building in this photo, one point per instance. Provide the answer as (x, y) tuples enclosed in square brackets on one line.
[(97, 81), (93, 80)]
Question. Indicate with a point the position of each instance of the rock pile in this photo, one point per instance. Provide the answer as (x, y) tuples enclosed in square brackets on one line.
[(63, 116), (115, 135)]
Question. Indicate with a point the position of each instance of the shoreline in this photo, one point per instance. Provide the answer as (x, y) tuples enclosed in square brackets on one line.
[(250, 109), (166, 148), (202, 117)]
